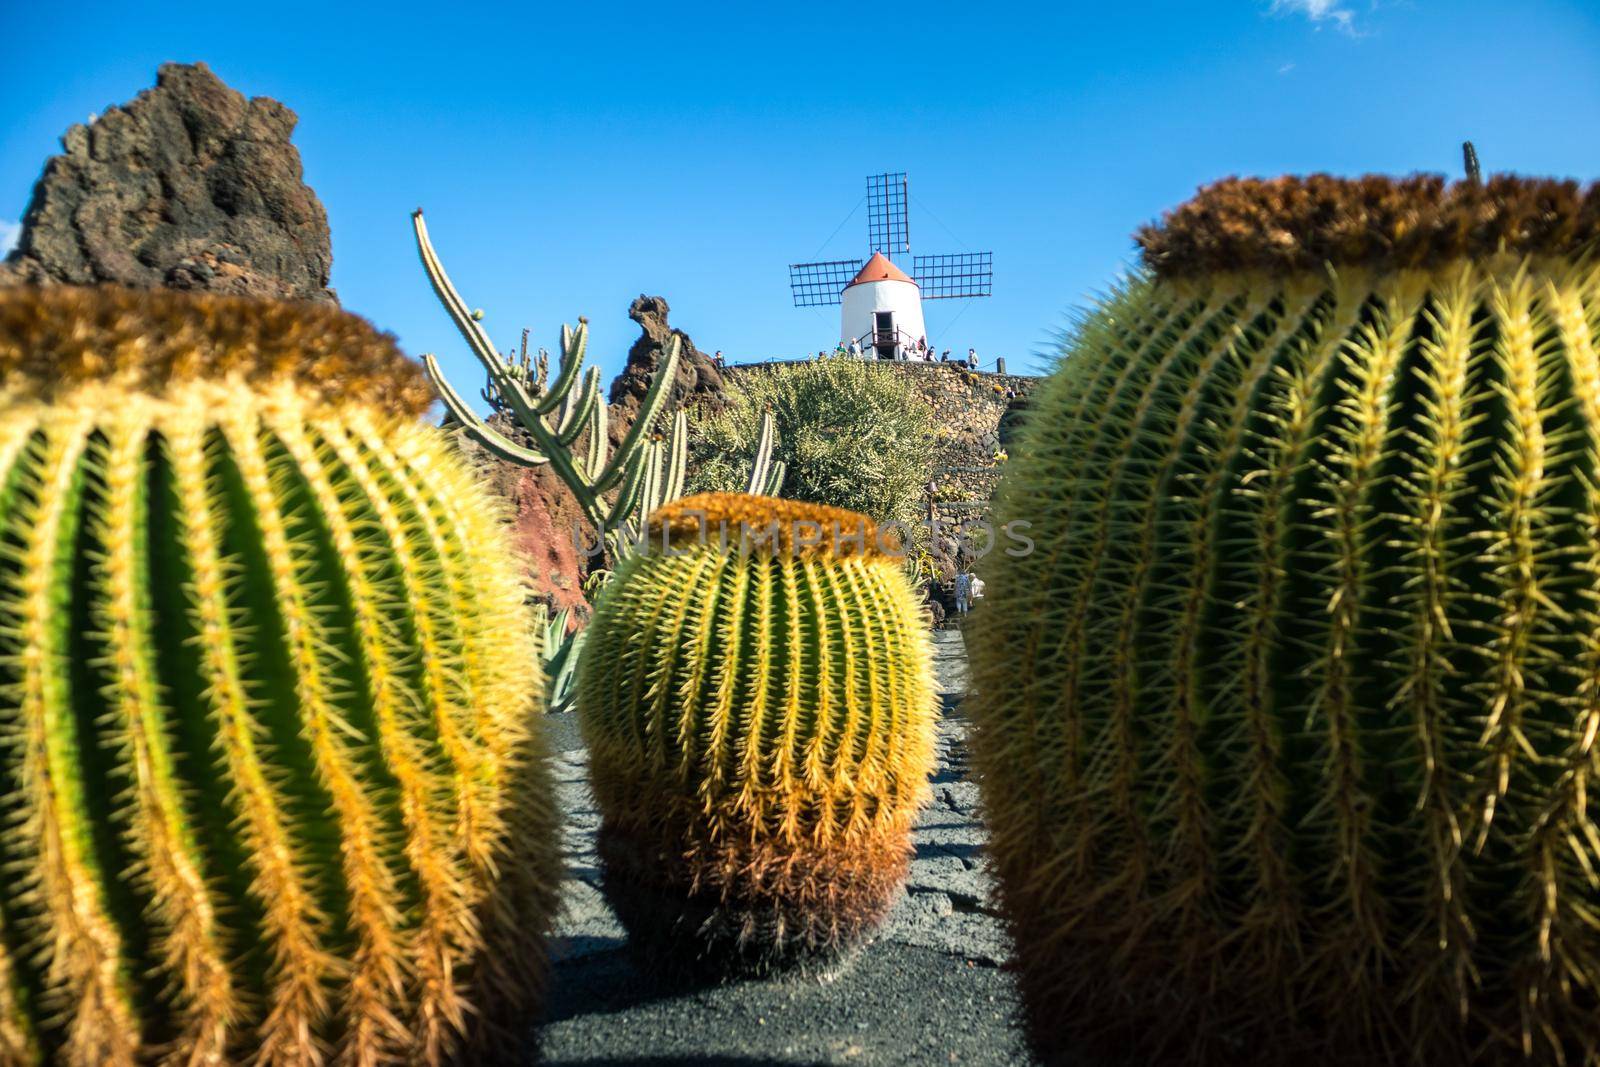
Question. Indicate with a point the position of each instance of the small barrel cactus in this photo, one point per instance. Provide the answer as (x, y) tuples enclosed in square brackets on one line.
[(1286, 725), (271, 782), (756, 696)]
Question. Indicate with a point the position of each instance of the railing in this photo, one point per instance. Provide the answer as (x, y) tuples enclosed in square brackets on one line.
[(885, 342), (777, 361)]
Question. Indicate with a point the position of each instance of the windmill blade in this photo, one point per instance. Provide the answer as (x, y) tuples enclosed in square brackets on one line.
[(959, 275), (888, 230), (820, 284)]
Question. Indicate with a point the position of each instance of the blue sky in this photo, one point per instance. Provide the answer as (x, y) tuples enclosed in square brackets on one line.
[(573, 156)]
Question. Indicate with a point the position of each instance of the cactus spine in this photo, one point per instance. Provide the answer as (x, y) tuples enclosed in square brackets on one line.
[(1286, 728), (760, 720), (271, 782)]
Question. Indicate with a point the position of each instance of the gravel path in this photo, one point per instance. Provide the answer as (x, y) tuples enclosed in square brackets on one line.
[(929, 989)]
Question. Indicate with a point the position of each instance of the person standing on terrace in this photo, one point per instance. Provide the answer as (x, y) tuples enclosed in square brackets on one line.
[(963, 591)]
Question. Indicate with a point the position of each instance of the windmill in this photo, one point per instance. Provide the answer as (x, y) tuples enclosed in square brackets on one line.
[(880, 304)]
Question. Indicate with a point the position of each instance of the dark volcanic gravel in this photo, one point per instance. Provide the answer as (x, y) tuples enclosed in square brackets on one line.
[(928, 990), (894, 1004)]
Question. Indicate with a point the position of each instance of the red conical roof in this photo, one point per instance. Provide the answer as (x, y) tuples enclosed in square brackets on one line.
[(879, 269)]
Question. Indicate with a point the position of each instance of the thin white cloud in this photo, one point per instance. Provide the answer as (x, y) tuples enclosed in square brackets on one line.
[(9, 232), (1320, 12), (1286, 68)]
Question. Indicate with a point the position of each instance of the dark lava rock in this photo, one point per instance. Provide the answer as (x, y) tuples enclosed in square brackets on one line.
[(190, 186), (698, 381)]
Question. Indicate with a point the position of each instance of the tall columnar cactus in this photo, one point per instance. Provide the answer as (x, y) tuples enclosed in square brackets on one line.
[(270, 785), (759, 716), (569, 429), (1287, 726)]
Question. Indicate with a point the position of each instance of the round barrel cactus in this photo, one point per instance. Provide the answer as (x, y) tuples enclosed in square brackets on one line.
[(271, 782), (756, 696), (1286, 725)]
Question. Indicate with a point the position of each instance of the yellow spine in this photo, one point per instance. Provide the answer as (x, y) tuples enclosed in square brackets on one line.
[(302, 967), (83, 947), (269, 762), (194, 942), (446, 934), (760, 725)]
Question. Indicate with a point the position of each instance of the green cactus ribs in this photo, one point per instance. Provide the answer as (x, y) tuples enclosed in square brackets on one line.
[(759, 716), (271, 788), (1286, 728)]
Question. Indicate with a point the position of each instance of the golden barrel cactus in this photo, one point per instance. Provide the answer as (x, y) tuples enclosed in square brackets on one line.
[(270, 775), (1286, 726), (756, 696)]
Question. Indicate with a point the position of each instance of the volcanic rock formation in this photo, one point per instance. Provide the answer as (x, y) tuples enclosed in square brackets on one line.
[(698, 382), (189, 186)]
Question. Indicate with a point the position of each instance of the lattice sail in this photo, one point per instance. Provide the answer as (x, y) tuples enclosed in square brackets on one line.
[(959, 274), (940, 277), (820, 284), (888, 229)]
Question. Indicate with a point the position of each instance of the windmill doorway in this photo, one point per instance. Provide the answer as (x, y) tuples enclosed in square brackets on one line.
[(883, 333)]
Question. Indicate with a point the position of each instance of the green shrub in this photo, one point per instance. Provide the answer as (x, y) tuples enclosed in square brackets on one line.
[(852, 435)]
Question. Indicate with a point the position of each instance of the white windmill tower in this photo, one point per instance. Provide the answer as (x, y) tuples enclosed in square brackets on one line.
[(880, 305), (882, 308)]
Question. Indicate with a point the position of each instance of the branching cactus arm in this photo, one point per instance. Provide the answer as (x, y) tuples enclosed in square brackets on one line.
[(570, 426), (648, 410), (482, 432), (598, 436), (677, 460), (555, 418), (575, 423), (766, 474), (574, 349)]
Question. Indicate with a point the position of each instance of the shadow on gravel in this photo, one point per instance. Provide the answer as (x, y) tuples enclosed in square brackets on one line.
[(969, 855), (896, 1004), (577, 946), (601, 983), (609, 982)]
